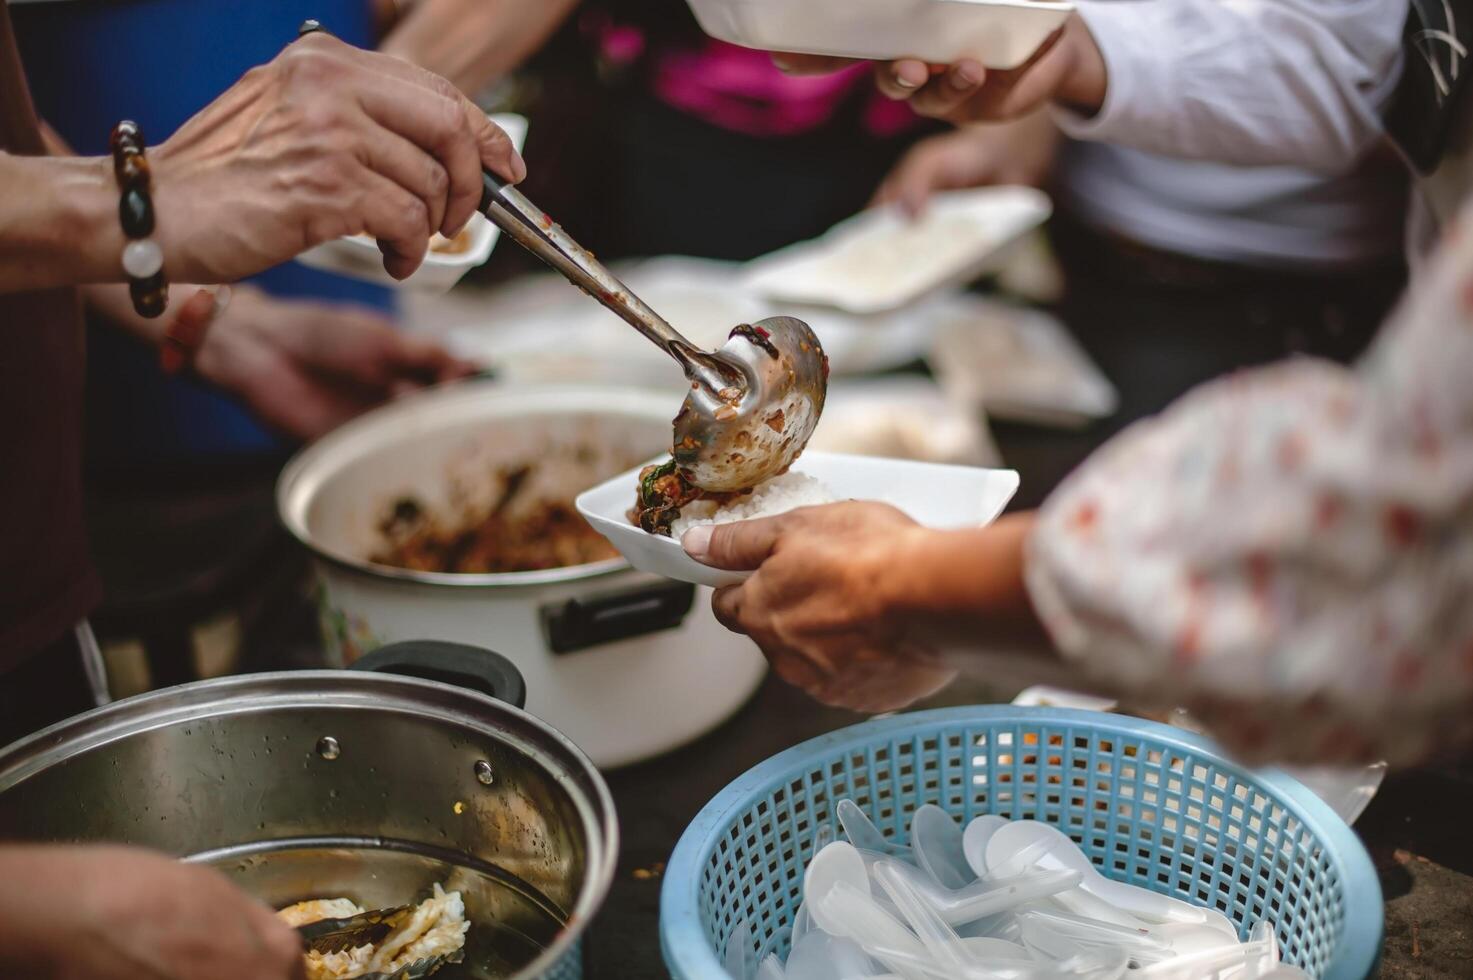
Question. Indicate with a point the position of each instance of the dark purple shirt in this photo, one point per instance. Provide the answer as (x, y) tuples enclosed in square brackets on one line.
[(46, 579)]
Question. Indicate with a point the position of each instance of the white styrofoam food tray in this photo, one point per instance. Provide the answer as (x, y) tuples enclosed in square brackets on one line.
[(903, 417), (1015, 362), (358, 256), (945, 497), (539, 329), (881, 259), (998, 33)]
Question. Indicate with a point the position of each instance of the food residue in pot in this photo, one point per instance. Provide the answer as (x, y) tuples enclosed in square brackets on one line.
[(436, 928), (541, 535)]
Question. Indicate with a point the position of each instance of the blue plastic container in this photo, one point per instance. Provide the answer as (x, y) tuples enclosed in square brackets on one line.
[(1151, 805)]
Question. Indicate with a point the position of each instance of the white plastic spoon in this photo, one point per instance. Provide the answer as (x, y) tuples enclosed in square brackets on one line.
[(982, 899), (1141, 943), (1001, 926), (1221, 923), (936, 843), (802, 923), (983, 948), (771, 968), (996, 970), (1146, 944), (1203, 963), (1078, 901), (1086, 965), (1044, 943), (739, 959), (1263, 932), (846, 911), (975, 838), (1096, 964), (1065, 854), (863, 833), (820, 956), (944, 945), (835, 863), (1071, 958)]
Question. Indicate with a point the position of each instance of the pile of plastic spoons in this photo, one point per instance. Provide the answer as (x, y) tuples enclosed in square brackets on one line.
[(998, 900)]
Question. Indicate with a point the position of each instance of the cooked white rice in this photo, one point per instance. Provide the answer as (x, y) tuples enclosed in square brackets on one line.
[(777, 496), (437, 927)]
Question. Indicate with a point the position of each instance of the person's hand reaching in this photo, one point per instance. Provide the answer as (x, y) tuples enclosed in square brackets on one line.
[(1020, 152), (113, 913), (306, 367), (1067, 70)]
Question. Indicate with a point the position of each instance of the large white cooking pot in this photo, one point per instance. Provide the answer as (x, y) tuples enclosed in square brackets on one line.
[(627, 665)]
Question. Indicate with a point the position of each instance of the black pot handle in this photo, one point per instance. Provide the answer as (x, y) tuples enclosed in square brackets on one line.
[(450, 663), (593, 620)]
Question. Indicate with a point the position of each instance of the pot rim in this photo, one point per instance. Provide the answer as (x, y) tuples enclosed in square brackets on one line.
[(247, 693), (311, 467)]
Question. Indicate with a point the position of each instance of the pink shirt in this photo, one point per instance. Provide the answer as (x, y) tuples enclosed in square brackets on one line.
[(741, 90)]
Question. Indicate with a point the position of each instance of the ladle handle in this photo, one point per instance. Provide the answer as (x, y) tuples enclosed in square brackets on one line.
[(509, 209)]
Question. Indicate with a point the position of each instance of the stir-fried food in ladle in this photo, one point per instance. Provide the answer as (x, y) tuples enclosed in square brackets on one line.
[(663, 492)]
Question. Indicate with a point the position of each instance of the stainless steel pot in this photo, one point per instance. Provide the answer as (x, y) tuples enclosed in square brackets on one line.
[(369, 785), (626, 664)]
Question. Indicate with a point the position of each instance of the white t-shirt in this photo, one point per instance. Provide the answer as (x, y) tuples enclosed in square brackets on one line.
[(1239, 130)]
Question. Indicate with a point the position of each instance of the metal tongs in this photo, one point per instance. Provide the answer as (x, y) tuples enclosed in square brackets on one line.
[(370, 929), (752, 405)]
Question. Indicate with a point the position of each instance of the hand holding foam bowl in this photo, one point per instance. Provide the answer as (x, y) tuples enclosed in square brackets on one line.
[(752, 405)]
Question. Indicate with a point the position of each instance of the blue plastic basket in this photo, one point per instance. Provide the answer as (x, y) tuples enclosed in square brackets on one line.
[(1150, 804)]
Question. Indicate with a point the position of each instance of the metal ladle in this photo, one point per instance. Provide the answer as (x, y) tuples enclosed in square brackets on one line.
[(752, 405)]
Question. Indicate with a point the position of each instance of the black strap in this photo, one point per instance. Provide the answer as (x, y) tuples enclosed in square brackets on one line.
[(1427, 103)]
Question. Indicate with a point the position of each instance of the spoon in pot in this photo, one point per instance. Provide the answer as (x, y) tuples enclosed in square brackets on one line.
[(752, 405)]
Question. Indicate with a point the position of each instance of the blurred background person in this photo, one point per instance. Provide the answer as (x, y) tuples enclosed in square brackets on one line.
[(232, 200), (1226, 203), (703, 148), (1285, 553), (181, 466)]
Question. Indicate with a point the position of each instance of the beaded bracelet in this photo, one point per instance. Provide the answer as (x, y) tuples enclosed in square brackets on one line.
[(143, 260)]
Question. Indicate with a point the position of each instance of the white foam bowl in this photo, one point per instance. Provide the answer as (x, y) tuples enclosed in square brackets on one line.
[(942, 497), (998, 33), (880, 260), (358, 256)]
